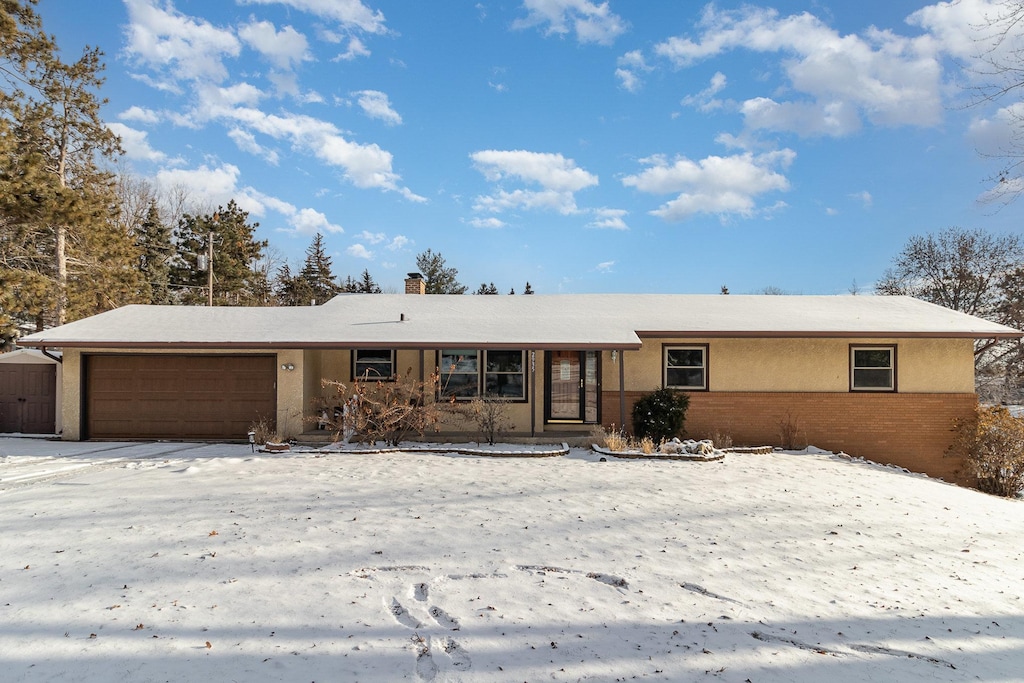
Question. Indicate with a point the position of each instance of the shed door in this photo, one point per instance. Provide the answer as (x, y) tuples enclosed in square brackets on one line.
[(28, 398), (177, 397)]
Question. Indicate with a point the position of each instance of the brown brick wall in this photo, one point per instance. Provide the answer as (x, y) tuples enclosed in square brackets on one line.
[(909, 430)]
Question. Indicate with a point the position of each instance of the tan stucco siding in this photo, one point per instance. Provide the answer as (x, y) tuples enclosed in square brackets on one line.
[(71, 395), (802, 365)]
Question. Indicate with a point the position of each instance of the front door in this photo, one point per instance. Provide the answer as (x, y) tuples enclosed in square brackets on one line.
[(572, 386), (28, 397)]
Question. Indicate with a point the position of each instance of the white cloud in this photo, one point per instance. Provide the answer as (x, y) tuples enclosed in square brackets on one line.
[(705, 100), (490, 223), (630, 66), (139, 115), (605, 266), (376, 105), (190, 48), (552, 171), (364, 165), (359, 251), (592, 22), (350, 14), (285, 48), (714, 185), (246, 142), (310, 222), (997, 134), (204, 184), (356, 48), (829, 211), (864, 197), (399, 242), (135, 144), (611, 219), (560, 178), (879, 76), (372, 237)]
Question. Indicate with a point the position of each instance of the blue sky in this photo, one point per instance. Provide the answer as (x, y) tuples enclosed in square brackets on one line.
[(623, 146)]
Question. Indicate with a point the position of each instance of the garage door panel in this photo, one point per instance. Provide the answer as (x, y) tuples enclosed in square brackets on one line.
[(176, 396), (28, 398)]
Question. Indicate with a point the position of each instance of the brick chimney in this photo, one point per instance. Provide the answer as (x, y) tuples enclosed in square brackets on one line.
[(415, 284)]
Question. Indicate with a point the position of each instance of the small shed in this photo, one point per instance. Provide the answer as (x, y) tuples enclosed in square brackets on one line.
[(30, 385)]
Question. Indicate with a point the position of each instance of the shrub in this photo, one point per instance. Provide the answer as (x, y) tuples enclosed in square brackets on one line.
[(265, 430), (386, 411), (490, 415), (660, 414), (991, 443), (789, 430)]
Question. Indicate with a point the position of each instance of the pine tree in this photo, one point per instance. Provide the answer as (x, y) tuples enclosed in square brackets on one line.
[(235, 252), (439, 279), (57, 206), (486, 289), (291, 290), (316, 272), (367, 285), (156, 252), (528, 289)]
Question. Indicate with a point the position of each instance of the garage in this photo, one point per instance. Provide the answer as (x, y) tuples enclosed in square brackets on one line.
[(135, 396), (28, 393)]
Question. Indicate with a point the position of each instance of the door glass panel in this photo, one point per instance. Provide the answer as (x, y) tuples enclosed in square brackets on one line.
[(590, 396), (564, 389)]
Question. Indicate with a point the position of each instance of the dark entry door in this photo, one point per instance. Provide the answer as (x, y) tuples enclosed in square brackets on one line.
[(28, 398), (572, 386)]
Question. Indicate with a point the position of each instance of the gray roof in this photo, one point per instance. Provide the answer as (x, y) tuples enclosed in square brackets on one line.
[(537, 321)]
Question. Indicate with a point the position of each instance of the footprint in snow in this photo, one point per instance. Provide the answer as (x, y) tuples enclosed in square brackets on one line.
[(402, 615)]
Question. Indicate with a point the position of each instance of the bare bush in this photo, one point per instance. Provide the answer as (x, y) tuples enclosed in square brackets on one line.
[(991, 443), (490, 415), (264, 430), (789, 431), (388, 411)]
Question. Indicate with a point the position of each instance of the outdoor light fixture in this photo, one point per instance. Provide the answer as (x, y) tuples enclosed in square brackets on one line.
[(287, 366), (615, 355)]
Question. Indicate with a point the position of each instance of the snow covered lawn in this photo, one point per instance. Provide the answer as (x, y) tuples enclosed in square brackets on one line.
[(172, 562)]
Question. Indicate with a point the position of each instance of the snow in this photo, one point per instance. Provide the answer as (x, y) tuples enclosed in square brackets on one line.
[(174, 561)]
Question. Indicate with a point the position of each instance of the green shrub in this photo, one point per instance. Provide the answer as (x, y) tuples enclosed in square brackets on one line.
[(660, 414)]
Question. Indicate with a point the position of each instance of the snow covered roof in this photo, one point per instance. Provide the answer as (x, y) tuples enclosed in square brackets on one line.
[(537, 321)]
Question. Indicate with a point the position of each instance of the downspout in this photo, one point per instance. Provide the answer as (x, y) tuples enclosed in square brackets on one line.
[(49, 355), (533, 394), (622, 390)]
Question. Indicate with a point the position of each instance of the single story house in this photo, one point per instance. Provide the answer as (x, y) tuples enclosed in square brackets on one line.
[(30, 384), (876, 376)]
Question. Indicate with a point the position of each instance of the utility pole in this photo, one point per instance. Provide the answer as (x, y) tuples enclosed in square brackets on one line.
[(209, 269)]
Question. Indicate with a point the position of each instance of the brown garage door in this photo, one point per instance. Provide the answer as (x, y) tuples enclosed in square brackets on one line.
[(177, 397), (28, 397)]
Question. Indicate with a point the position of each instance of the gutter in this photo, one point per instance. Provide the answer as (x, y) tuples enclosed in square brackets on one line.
[(49, 355)]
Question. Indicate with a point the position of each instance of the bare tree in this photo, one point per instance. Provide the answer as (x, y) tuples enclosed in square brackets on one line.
[(1000, 78)]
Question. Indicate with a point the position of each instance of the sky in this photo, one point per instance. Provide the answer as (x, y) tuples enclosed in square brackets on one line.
[(583, 146)]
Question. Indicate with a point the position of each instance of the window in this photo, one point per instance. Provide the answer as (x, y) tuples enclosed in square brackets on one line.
[(686, 367), (467, 373), (873, 368), (373, 364), (504, 376)]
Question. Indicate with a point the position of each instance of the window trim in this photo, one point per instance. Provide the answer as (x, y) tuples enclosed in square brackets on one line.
[(355, 365), (481, 375), (704, 349), (892, 348)]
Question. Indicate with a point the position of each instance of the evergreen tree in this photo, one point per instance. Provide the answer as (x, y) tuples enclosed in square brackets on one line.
[(156, 251), (316, 272), (291, 290), (57, 206), (486, 289), (350, 285), (512, 291), (367, 285), (439, 278), (236, 251), (528, 289)]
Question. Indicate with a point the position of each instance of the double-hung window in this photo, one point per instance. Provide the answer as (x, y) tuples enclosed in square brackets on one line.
[(468, 373), (373, 364), (686, 367), (873, 368)]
